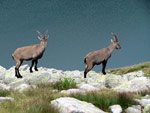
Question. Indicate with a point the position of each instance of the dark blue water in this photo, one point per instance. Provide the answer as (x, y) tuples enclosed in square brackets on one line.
[(76, 27)]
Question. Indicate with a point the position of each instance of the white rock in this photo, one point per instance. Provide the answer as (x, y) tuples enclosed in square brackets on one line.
[(146, 97), (137, 107), (55, 91), (114, 80), (46, 74), (2, 69), (35, 78), (72, 105), (132, 110), (72, 91), (87, 87), (133, 75), (8, 78), (75, 73), (23, 87), (2, 99), (137, 84), (143, 102), (115, 109), (4, 87), (16, 83), (147, 109), (77, 80), (24, 67)]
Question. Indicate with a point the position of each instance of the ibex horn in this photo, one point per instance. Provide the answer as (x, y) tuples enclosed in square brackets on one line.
[(46, 32), (39, 34), (114, 36)]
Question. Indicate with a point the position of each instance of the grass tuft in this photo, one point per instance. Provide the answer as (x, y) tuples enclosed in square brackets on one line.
[(37, 100), (105, 98), (33, 100), (4, 93), (145, 67), (64, 84)]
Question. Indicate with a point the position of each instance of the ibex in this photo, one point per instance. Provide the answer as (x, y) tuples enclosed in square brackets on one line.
[(27, 53), (100, 56)]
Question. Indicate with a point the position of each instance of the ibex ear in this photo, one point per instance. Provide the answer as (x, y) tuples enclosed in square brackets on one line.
[(111, 40)]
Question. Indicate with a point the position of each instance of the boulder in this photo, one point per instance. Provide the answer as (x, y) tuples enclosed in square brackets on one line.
[(72, 91), (87, 87), (2, 69), (93, 77), (133, 75), (138, 84), (115, 109), (16, 83), (23, 87), (113, 81), (24, 67), (137, 107), (132, 110), (146, 97), (143, 102), (36, 78), (82, 89), (3, 99), (73, 74), (72, 105), (146, 109), (4, 87), (8, 77)]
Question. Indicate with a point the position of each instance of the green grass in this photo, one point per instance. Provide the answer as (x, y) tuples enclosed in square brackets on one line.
[(105, 98), (65, 84), (37, 100), (31, 101), (145, 67), (4, 93)]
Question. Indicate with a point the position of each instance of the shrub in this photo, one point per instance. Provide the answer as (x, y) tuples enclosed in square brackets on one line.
[(64, 84), (4, 93)]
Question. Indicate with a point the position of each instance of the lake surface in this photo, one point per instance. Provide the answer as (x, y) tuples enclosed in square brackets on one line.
[(76, 27)]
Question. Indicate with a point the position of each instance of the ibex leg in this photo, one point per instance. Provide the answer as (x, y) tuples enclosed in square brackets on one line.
[(17, 73), (87, 69), (103, 67), (36, 62), (31, 66)]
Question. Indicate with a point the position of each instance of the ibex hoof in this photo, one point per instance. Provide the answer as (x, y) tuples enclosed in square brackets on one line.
[(36, 69), (31, 71), (104, 73), (18, 76)]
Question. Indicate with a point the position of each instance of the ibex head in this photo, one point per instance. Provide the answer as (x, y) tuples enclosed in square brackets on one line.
[(43, 38), (115, 41)]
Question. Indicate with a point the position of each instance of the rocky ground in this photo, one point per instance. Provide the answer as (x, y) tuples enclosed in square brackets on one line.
[(130, 82)]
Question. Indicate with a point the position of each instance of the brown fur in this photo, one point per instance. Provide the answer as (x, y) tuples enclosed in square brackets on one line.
[(100, 56), (27, 53)]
